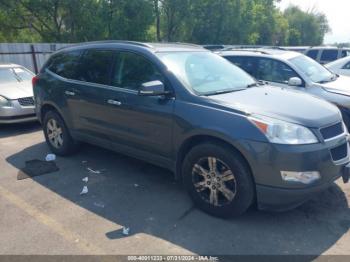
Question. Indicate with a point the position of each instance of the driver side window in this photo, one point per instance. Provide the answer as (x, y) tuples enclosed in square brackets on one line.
[(274, 71), (132, 70)]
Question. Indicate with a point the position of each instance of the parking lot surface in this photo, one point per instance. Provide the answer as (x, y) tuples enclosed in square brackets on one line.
[(47, 215)]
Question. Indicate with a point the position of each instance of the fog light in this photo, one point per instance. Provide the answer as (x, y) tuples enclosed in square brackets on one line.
[(303, 177)]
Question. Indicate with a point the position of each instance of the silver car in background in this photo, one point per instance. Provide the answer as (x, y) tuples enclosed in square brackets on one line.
[(16, 94), (340, 66), (296, 71)]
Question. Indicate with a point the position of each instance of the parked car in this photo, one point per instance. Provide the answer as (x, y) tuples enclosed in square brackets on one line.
[(327, 54), (16, 94), (340, 66), (295, 71), (187, 109)]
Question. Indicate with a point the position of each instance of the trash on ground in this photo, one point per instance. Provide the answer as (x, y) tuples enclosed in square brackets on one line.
[(36, 168), (85, 179), (94, 171), (136, 185), (99, 204), (84, 191), (50, 157), (126, 231)]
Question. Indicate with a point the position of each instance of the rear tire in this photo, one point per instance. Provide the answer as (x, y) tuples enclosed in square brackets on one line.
[(218, 180), (57, 134)]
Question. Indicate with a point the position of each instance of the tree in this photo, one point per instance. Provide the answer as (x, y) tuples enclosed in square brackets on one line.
[(306, 28), (197, 21)]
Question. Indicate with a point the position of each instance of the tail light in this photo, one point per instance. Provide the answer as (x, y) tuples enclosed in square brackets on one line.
[(34, 80)]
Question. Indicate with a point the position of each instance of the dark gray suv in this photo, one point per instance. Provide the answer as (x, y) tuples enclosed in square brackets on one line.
[(231, 140)]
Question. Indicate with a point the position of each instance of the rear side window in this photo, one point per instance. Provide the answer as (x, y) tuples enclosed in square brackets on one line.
[(329, 55), (312, 53), (248, 64), (274, 71), (65, 64), (132, 70), (95, 66), (347, 66)]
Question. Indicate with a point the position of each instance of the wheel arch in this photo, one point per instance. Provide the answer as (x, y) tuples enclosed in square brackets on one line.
[(50, 107), (194, 140)]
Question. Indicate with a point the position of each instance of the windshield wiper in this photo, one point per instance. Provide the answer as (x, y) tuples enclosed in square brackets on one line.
[(253, 85), (219, 92)]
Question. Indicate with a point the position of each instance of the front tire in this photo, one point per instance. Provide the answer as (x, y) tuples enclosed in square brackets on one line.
[(57, 134), (218, 180)]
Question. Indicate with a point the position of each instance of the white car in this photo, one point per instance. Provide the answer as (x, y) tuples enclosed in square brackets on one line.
[(294, 71), (340, 66), (16, 94)]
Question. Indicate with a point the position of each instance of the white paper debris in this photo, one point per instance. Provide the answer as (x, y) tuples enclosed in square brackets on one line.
[(50, 157), (94, 171), (84, 191), (85, 179), (126, 231), (99, 204), (136, 185)]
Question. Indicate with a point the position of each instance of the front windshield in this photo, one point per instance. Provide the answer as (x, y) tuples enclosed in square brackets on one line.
[(205, 72), (7, 76), (316, 72), (15, 74), (23, 74)]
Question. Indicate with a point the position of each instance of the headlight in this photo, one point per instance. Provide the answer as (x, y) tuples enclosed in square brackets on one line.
[(281, 132), (4, 102)]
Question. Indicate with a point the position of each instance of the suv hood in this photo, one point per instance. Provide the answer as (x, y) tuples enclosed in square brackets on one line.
[(16, 90), (339, 86), (291, 106)]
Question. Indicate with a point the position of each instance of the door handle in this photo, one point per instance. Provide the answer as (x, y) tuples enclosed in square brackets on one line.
[(69, 93), (114, 102)]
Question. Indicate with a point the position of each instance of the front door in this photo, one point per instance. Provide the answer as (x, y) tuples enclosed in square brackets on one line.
[(147, 122), (275, 72)]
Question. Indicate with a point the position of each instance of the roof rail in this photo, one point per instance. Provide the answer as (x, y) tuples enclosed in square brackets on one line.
[(189, 44), (247, 47), (108, 42), (256, 50)]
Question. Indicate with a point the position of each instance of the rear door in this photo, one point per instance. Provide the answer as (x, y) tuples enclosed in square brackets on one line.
[(97, 103), (247, 63)]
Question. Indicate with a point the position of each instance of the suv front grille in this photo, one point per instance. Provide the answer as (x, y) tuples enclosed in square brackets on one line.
[(26, 101), (339, 152), (332, 131)]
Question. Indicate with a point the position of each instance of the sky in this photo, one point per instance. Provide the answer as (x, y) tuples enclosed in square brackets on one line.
[(337, 12)]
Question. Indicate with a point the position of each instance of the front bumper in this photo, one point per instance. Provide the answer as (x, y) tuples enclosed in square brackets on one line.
[(281, 199), (17, 113), (268, 160)]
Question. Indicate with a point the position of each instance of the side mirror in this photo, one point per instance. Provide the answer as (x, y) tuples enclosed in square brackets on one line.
[(153, 88), (295, 81)]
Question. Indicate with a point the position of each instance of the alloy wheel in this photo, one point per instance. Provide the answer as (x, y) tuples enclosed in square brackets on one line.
[(214, 181), (54, 133)]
